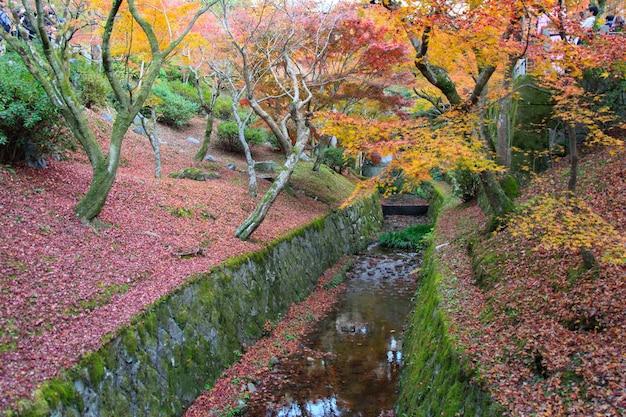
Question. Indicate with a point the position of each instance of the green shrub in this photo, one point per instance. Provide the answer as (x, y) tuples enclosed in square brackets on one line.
[(410, 238), (465, 184), (335, 159), (29, 123), (228, 137), (91, 83), (223, 108), (174, 110), (185, 90)]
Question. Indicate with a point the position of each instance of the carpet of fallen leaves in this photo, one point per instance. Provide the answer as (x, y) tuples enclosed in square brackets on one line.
[(546, 335), (64, 285)]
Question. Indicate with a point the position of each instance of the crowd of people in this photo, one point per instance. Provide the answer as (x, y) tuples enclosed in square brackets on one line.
[(589, 25), (22, 27)]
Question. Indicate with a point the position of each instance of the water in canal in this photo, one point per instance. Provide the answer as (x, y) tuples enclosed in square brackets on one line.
[(352, 360)]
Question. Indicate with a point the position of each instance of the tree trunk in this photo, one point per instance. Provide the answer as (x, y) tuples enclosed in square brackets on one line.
[(499, 202), (321, 146), (503, 139), (252, 184), (153, 136), (208, 108), (573, 159), (89, 207), (258, 215), (201, 154)]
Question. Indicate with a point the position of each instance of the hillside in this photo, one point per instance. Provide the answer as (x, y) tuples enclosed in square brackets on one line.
[(65, 286), (545, 334)]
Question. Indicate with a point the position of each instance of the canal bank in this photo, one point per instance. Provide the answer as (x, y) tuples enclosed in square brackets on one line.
[(159, 364), (436, 379)]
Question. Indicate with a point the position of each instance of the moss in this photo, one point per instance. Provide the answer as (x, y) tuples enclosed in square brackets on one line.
[(436, 380), (95, 367), (194, 174), (181, 318), (58, 390), (510, 186), (129, 338)]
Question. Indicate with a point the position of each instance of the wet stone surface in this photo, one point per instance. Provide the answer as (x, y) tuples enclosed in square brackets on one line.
[(349, 366)]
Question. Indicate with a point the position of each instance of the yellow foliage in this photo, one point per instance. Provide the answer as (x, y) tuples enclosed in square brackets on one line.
[(567, 222)]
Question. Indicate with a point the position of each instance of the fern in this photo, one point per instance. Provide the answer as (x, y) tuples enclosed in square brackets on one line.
[(409, 238)]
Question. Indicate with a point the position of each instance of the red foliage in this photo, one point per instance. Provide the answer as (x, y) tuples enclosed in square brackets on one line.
[(547, 336), (65, 286)]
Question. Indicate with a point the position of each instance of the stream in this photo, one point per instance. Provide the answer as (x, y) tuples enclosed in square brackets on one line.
[(352, 360)]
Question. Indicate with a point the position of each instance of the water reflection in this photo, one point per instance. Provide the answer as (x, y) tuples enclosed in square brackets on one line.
[(353, 359), (325, 407)]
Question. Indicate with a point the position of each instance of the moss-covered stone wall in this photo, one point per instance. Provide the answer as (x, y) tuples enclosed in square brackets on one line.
[(161, 363), (434, 380)]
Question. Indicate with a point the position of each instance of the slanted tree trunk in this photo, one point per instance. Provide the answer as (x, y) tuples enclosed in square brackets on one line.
[(302, 137), (260, 211)]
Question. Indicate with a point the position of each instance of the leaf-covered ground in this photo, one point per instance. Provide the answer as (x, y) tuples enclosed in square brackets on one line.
[(546, 334), (64, 286)]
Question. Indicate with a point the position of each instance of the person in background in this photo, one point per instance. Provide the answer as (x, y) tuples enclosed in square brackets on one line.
[(618, 25), (590, 19), (5, 22)]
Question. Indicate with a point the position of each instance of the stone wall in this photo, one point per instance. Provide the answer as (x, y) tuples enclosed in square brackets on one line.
[(435, 380), (161, 363)]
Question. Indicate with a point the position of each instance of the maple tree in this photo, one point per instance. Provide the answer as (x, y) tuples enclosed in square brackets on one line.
[(153, 41), (271, 65), (458, 50)]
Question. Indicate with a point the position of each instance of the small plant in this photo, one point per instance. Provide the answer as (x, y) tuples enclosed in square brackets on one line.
[(337, 160), (223, 109), (29, 123), (465, 184), (336, 281), (412, 237), (228, 137), (185, 90), (91, 83), (180, 211)]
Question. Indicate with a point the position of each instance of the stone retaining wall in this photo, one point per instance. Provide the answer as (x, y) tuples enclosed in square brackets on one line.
[(162, 362)]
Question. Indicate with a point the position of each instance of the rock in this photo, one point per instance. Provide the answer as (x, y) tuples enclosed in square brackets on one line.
[(251, 387), (107, 117), (265, 166), (139, 130), (210, 158), (274, 361), (232, 167), (194, 174), (193, 140), (305, 157)]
